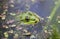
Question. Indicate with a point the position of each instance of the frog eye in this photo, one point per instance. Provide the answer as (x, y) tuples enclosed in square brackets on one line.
[(35, 21), (27, 18)]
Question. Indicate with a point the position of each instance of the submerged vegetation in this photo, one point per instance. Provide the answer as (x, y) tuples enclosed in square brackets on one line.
[(55, 34)]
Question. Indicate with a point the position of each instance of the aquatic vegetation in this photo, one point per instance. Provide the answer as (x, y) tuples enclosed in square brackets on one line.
[(6, 35), (58, 19), (18, 23), (55, 34), (53, 13), (32, 37), (13, 14)]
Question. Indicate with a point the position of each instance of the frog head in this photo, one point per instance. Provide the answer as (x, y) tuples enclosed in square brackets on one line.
[(28, 18)]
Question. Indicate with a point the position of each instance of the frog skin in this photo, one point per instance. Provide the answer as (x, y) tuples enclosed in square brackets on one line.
[(28, 18)]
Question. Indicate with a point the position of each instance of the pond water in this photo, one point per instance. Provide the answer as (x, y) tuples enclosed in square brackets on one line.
[(48, 10)]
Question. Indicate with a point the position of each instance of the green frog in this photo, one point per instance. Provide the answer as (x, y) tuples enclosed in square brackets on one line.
[(28, 18)]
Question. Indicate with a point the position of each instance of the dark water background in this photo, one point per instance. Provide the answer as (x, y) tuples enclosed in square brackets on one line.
[(42, 8)]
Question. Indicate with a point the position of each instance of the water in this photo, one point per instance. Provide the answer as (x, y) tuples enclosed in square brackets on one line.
[(44, 9)]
